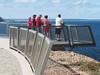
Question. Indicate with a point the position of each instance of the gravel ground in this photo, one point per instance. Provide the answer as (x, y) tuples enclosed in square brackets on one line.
[(54, 68), (59, 63)]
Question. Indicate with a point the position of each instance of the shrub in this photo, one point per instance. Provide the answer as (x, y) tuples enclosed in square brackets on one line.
[(90, 66)]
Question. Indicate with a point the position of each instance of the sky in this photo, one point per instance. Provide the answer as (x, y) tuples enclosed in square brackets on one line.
[(69, 9)]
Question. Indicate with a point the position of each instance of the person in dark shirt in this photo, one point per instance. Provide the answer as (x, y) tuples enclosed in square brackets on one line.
[(34, 22)]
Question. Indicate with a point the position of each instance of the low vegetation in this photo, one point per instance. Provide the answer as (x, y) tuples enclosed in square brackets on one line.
[(92, 68)]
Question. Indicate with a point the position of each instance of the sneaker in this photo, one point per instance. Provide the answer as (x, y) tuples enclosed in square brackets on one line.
[(59, 40), (56, 38)]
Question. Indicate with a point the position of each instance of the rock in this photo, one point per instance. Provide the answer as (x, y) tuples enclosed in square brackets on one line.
[(1, 19)]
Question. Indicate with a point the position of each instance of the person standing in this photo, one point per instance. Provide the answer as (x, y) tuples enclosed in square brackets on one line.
[(29, 23), (59, 23), (46, 25), (38, 23), (34, 22)]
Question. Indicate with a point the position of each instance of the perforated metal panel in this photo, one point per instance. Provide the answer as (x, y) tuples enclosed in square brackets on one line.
[(52, 32), (3, 28), (78, 36), (13, 36), (81, 36), (37, 49), (22, 39), (31, 38), (66, 35), (43, 56)]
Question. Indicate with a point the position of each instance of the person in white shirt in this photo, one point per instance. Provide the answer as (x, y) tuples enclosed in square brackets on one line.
[(59, 23)]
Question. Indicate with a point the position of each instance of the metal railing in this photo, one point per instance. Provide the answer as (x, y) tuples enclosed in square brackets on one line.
[(71, 35), (3, 29), (34, 45), (37, 46), (81, 36)]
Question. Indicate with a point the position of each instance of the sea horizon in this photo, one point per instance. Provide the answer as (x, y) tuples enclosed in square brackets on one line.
[(93, 52)]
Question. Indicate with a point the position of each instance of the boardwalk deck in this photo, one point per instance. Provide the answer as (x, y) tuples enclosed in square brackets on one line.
[(12, 62), (75, 36)]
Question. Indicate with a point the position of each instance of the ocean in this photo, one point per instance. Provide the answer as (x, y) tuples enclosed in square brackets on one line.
[(93, 52)]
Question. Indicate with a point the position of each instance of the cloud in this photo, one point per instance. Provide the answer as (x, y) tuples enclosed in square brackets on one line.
[(25, 1), (86, 3), (6, 1), (56, 1), (81, 2)]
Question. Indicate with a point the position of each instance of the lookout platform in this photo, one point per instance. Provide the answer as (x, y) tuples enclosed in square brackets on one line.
[(11, 62)]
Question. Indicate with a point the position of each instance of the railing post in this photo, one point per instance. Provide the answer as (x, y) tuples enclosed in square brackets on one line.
[(70, 36), (18, 32), (27, 41)]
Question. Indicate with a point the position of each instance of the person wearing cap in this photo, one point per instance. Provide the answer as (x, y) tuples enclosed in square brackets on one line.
[(34, 22)]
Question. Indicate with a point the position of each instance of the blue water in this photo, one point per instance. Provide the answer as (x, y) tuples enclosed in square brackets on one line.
[(93, 52)]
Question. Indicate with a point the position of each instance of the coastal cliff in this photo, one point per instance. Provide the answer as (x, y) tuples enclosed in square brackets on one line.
[(1, 19), (71, 63)]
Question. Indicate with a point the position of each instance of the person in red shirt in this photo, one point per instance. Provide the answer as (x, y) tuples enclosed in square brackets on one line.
[(45, 25), (29, 23), (38, 23), (34, 22)]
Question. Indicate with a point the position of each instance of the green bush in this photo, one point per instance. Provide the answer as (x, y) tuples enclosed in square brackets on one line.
[(77, 64), (90, 66), (94, 73)]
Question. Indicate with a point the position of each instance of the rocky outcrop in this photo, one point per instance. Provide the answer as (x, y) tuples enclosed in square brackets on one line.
[(1, 19), (66, 63)]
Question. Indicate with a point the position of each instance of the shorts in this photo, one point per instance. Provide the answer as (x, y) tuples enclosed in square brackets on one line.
[(45, 29), (58, 30)]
